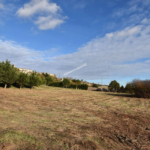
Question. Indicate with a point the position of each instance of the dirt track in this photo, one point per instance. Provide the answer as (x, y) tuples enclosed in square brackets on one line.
[(59, 119)]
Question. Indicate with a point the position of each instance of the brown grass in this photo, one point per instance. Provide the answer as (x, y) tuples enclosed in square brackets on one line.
[(49, 118)]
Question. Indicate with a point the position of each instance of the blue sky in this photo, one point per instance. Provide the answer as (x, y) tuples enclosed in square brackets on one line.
[(57, 36)]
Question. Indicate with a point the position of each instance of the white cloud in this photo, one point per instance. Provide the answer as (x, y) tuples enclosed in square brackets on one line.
[(1, 6), (48, 22), (124, 33), (147, 61), (48, 13), (37, 6), (115, 54), (145, 21)]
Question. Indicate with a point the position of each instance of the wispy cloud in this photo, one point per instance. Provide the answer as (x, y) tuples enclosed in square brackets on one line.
[(80, 5), (47, 14), (115, 53), (126, 11), (1, 6)]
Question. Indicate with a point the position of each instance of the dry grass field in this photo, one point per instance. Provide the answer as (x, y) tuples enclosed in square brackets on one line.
[(48, 118)]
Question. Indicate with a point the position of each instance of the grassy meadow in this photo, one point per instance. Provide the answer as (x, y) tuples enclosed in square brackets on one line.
[(50, 118)]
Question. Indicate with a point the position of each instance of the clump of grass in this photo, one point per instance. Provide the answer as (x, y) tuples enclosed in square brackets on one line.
[(18, 138), (123, 101)]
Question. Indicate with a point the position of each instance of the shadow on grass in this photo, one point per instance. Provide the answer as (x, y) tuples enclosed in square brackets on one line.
[(14, 85), (122, 94)]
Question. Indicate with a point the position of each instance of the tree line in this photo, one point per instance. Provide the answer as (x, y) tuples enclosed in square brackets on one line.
[(10, 75), (140, 88)]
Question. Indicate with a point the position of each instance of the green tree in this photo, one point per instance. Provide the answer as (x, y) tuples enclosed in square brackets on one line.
[(43, 80), (34, 80), (66, 82), (49, 80), (8, 74), (78, 82), (22, 79), (122, 89), (114, 86), (95, 85), (129, 88)]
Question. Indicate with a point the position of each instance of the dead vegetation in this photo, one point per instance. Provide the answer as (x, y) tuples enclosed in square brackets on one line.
[(48, 118)]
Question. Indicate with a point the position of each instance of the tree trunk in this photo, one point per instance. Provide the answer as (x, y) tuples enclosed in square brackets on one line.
[(31, 87), (20, 87), (5, 86)]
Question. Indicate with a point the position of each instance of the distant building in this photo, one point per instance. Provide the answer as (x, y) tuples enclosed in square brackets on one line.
[(25, 70), (30, 71)]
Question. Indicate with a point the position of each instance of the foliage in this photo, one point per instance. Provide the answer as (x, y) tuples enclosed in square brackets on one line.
[(66, 82), (129, 89), (49, 80), (56, 84), (34, 80), (122, 89), (141, 88), (114, 86), (43, 80), (76, 81), (95, 85), (73, 86), (22, 79), (83, 86), (45, 74), (8, 74)]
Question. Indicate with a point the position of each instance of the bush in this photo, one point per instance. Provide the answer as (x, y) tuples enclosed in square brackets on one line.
[(66, 83), (56, 84), (129, 89), (76, 81), (141, 88), (95, 85), (83, 86), (48, 80), (73, 86)]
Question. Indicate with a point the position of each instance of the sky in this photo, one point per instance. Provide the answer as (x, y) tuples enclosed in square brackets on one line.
[(60, 36)]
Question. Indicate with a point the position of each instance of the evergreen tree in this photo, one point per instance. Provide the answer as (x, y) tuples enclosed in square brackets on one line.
[(34, 80), (22, 79), (114, 86), (8, 74), (49, 80), (122, 89), (129, 88)]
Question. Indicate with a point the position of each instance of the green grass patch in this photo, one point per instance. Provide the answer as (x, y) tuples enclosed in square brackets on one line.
[(15, 137)]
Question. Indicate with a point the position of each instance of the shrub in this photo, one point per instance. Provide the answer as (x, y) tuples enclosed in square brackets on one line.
[(73, 86), (83, 86), (141, 88), (49, 80), (129, 89), (76, 81), (66, 82), (56, 84), (114, 86), (95, 85)]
